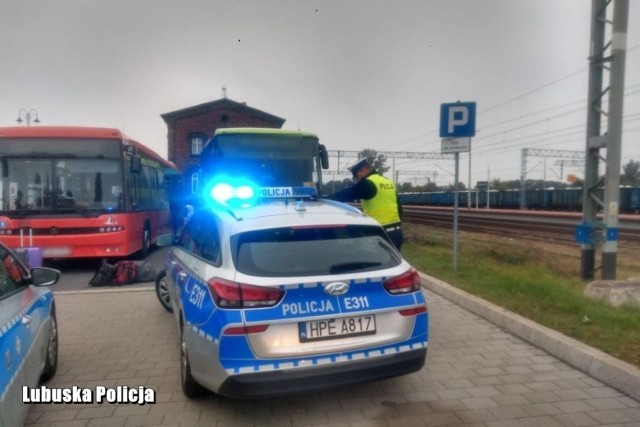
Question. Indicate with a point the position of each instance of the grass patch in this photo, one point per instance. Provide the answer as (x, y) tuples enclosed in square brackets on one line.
[(528, 281)]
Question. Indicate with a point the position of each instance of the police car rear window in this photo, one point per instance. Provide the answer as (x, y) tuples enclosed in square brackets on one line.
[(310, 251)]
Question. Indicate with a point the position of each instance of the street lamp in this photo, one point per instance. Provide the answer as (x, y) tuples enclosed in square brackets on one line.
[(27, 115)]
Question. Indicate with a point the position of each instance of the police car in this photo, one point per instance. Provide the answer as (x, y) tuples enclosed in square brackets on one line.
[(28, 333), (277, 292)]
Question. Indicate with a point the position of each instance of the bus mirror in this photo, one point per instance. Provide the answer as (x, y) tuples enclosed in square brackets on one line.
[(324, 157), (5, 167), (136, 164)]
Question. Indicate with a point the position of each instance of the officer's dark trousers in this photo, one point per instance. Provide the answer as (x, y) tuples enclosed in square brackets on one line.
[(395, 233)]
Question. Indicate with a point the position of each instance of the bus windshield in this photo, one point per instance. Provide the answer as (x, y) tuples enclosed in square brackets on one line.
[(79, 176), (267, 159)]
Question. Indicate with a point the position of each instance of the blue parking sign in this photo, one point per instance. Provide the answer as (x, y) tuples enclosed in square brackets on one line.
[(458, 120)]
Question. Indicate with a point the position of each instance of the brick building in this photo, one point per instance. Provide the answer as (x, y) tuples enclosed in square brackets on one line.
[(190, 128)]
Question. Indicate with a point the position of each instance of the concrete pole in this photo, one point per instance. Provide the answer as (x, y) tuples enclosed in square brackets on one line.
[(594, 140), (614, 142), (393, 170)]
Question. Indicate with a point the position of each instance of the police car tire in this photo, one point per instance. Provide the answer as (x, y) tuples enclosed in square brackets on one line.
[(162, 291), (51, 360), (190, 387)]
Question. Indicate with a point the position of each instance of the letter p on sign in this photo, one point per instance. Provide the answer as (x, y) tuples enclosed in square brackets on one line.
[(458, 120)]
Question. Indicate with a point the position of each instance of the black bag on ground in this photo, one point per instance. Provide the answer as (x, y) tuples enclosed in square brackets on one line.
[(104, 276), (145, 272)]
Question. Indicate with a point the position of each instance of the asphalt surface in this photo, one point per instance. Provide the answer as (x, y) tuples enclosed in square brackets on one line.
[(505, 371)]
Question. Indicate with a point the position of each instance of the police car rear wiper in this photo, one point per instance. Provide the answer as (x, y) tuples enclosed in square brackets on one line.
[(349, 267)]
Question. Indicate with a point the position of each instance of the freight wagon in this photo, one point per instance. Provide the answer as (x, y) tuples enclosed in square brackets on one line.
[(563, 199)]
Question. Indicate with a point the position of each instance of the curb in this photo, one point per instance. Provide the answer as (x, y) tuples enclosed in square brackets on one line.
[(613, 372)]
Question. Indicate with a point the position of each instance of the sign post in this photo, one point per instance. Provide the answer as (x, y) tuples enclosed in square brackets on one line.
[(457, 126), (455, 214)]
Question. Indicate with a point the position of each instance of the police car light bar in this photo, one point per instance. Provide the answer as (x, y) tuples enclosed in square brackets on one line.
[(242, 194)]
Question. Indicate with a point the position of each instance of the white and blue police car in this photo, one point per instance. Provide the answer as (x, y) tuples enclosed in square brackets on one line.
[(28, 333), (277, 292)]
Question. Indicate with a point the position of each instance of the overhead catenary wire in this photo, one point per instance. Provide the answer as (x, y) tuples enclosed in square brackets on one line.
[(567, 135), (537, 122), (480, 148), (519, 97)]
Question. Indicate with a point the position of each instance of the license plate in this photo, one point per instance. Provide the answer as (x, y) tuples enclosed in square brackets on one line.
[(337, 328), (56, 251)]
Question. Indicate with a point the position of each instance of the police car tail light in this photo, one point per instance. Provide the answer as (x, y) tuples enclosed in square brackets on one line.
[(225, 293), (228, 294), (404, 283), (257, 296)]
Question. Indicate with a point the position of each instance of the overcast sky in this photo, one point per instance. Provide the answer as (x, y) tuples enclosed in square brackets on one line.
[(358, 73)]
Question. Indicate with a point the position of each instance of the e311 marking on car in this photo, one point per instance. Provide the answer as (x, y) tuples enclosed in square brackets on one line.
[(196, 296)]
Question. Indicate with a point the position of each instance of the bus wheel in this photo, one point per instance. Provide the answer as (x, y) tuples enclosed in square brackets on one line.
[(146, 242)]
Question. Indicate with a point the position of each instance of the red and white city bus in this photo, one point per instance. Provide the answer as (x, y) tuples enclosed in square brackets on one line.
[(81, 192)]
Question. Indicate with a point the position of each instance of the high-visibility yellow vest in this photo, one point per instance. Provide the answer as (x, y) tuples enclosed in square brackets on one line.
[(383, 207)]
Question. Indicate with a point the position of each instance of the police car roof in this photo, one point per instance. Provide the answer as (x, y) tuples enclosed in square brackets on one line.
[(281, 213)]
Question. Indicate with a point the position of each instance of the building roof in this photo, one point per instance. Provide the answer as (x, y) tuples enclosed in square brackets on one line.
[(220, 104)]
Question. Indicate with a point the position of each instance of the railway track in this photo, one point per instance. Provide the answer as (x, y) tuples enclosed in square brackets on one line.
[(540, 226)]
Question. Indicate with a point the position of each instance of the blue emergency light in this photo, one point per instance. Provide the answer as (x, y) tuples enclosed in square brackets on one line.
[(224, 192), (232, 192)]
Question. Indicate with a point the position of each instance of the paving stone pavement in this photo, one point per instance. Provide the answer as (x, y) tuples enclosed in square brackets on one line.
[(476, 375)]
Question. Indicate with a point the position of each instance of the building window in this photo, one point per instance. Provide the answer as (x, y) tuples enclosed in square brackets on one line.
[(197, 143)]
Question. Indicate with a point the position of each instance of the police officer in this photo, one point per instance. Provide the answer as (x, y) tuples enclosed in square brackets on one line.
[(378, 197)]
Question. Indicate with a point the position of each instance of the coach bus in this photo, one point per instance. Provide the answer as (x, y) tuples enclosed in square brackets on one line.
[(77, 192), (268, 157)]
